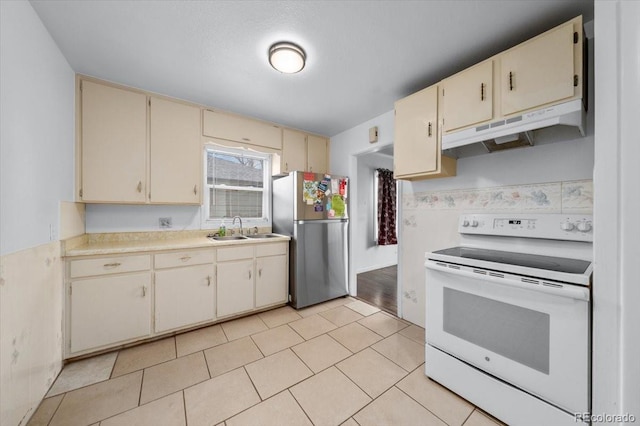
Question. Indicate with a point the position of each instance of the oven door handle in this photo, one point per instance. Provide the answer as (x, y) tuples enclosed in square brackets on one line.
[(566, 290)]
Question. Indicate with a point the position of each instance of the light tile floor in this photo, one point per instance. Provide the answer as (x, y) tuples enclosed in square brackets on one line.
[(340, 362)]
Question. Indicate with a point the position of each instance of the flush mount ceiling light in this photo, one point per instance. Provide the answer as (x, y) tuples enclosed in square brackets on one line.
[(287, 57)]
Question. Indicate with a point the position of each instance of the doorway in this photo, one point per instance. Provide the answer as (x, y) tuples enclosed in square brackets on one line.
[(376, 265)]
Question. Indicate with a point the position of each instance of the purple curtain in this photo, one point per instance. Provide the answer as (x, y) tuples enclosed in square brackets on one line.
[(386, 208)]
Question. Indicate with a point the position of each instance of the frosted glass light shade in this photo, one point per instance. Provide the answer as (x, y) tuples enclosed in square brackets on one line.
[(287, 57)]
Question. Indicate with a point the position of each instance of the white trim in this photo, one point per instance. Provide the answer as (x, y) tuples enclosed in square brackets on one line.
[(248, 222)]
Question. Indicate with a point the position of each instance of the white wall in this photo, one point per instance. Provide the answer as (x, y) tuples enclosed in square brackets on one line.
[(616, 333), (37, 132), (344, 148), (141, 218), (367, 254), (36, 173)]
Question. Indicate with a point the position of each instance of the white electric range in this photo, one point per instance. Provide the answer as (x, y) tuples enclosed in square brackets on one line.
[(508, 322)]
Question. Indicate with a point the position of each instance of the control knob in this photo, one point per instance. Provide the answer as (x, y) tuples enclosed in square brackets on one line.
[(584, 226), (566, 226), (465, 223), (474, 223)]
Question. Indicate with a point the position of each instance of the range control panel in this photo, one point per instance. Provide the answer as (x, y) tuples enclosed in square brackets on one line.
[(549, 226)]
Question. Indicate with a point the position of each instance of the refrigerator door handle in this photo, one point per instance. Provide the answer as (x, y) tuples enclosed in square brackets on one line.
[(302, 222)]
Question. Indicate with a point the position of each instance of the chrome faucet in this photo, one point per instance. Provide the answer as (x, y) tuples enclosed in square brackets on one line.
[(234, 222)]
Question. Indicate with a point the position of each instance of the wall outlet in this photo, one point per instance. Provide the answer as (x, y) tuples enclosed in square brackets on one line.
[(165, 222)]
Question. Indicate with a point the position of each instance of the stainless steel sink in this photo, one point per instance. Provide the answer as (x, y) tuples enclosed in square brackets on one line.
[(228, 238), (264, 236)]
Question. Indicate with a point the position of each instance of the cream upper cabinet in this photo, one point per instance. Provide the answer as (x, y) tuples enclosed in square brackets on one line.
[(541, 70), (317, 150), (175, 153), (294, 151), (240, 129), (114, 144), (468, 97), (417, 153)]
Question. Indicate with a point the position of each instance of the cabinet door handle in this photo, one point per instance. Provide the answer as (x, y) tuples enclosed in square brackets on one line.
[(510, 81), (260, 272), (249, 273), (112, 265), (185, 258), (286, 166), (482, 91), (144, 291), (139, 186), (429, 130), (208, 280), (195, 189), (246, 139)]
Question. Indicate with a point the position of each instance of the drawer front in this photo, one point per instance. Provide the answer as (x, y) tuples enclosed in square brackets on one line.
[(109, 265), (184, 258), (271, 249), (235, 253)]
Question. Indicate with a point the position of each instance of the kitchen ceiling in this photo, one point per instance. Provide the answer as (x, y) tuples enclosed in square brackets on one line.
[(361, 55)]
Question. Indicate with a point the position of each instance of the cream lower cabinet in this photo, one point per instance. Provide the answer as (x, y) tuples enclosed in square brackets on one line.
[(234, 279), (110, 301), (184, 293), (272, 274), (251, 277)]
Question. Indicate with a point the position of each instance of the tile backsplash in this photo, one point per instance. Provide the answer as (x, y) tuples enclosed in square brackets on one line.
[(554, 197)]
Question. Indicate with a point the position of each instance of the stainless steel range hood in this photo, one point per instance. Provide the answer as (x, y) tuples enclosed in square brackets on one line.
[(516, 131)]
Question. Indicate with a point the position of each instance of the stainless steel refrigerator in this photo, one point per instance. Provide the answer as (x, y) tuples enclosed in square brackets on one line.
[(312, 210)]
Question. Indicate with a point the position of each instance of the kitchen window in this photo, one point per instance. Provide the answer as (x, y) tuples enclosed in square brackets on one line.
[(238, 183)]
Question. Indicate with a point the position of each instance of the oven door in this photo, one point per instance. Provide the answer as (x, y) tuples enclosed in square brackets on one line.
[(534, 337)]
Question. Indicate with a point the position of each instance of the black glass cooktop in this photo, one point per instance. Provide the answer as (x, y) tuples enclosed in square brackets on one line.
[(549, 263)]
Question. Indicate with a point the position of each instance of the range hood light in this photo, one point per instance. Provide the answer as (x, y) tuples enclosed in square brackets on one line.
[(504, 139)]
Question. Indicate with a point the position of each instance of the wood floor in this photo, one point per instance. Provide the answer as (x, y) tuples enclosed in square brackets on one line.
[(379, 287)]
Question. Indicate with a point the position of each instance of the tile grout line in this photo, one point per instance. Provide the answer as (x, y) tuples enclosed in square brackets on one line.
[(55, 411)]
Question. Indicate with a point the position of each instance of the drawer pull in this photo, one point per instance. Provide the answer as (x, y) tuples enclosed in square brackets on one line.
[(185, 258), (112, 265)]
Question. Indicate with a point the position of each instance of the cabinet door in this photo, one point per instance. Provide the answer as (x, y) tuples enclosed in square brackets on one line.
[(240, 129), (175, 156), (183, 297), (294, 151), (416, 148), (114, 144), (468, 97), (109, 310), (234, 287), (317, 154), (538, 71), (272, 285)]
